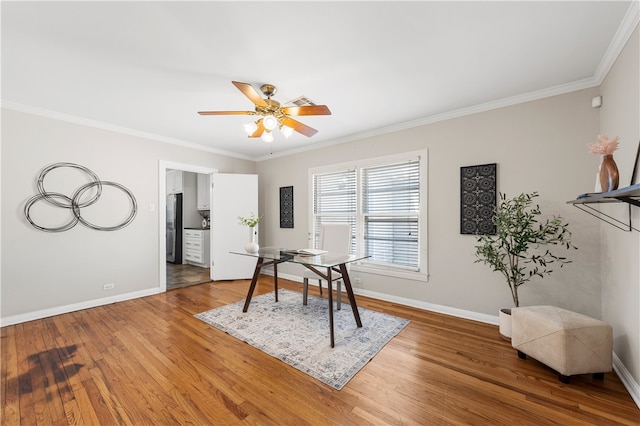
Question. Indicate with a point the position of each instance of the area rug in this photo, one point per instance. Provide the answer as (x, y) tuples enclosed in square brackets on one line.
[(299, 335)]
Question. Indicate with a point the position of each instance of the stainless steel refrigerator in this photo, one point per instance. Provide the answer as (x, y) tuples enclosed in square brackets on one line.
[(174, 228)]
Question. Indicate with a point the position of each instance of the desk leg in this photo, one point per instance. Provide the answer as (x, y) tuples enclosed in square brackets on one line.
[(330, 297), (275, 278), (254, 281), (352, 298)]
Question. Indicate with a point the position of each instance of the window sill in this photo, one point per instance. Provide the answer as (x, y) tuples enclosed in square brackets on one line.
[(396, 273)]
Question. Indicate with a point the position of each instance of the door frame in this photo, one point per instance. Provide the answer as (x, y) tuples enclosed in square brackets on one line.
[(163, 166)]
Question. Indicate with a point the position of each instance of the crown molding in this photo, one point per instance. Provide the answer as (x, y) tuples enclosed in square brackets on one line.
[(626, 28), (15, 106), (622, 35), (624, 32), (462, 112)]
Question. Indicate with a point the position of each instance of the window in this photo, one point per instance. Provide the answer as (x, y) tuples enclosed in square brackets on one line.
[(384, 200), (334, 200)]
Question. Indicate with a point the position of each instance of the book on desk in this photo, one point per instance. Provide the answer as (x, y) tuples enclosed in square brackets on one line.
[(305, 252)]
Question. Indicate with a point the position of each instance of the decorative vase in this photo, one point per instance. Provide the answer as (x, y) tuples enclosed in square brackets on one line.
[(608, 174), (252, 247)]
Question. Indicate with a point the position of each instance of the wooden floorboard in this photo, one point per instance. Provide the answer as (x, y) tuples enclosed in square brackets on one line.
[(149, 361)]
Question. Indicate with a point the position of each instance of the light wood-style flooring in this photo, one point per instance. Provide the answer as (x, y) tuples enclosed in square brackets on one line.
[(150, 362)]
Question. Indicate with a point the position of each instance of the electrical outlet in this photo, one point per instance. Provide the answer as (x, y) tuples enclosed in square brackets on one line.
[(109, 286), (357, 280)]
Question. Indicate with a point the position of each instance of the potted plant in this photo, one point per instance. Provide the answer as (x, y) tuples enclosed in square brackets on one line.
[(251, 221), (520, 248)]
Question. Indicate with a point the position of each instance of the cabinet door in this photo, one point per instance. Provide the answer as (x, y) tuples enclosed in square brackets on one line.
[(233, 195), (174, 182), (203, 191)]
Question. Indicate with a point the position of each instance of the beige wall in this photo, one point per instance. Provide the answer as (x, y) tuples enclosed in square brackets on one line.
[(538, 146), (46, 272), (620, 114)]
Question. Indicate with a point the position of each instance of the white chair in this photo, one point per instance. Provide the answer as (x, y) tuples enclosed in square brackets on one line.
[(335, 239)]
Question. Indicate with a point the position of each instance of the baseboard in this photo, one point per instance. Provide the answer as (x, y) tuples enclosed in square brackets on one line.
[(460, 313), (627, 379), (44, 313)]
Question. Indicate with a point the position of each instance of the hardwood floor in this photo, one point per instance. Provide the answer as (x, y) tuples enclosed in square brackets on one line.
[(184, 275), (149, 361)]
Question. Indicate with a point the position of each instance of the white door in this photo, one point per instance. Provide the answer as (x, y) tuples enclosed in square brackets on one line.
[(232, 195)]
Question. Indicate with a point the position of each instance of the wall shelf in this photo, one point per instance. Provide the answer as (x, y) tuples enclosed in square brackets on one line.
[(629, 195)]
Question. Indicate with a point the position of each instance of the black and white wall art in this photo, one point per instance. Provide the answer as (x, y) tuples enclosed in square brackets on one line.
[(478, 199), (286, 207)]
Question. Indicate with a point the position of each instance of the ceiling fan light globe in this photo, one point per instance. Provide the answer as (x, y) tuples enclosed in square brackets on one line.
[(286, 131), (269, 122), (267, 136), (250, 128)]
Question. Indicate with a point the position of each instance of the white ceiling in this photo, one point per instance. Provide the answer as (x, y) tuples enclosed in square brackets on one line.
[(150, 66)]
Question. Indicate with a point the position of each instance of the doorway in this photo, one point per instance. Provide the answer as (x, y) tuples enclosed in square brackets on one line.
[(184, 275), (183, 270)]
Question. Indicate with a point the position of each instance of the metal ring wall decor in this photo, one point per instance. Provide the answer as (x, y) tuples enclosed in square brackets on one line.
[(73, 203)]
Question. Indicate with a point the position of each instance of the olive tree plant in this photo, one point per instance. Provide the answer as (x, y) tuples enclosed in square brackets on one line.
[(520, 249)]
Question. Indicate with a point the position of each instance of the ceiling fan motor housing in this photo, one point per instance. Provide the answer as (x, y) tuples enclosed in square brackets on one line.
[(268, 89)]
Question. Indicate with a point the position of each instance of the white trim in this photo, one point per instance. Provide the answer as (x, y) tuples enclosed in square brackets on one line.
[(422, 156), (371, 162), (58, 310), (625, 376), (441, 309), (432, 307), (627, 379), (163, 166), (118, 129), (390, 272), (622, 35), (626, 28), (562, 89)]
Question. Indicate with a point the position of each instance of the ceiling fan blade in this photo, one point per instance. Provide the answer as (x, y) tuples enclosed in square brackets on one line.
[(250, 93), (226, 112), (299, 127), (307, 110), (258, 131)]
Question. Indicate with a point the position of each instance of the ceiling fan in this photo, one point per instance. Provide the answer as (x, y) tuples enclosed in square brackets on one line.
[(271, 114)]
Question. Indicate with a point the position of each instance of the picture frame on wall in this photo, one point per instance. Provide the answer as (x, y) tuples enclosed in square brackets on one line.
[(286, 207), (478, 199)]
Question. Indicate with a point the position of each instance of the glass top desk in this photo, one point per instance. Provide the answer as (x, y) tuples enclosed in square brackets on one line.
[(330, 262)]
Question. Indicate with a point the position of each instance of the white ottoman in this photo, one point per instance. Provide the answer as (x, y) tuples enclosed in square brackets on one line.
[(566, 341)]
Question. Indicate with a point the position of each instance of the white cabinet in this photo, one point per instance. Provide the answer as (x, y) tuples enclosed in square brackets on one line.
[(196, 247), (203, 191), (174, 182)]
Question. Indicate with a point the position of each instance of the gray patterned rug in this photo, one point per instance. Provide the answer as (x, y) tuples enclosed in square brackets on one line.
[(299, 335)]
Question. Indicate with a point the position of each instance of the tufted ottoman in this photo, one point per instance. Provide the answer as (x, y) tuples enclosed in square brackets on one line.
[(566, 341)]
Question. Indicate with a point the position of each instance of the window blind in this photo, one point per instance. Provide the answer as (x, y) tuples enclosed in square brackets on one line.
[(382, 202), (334, 200), (391, 209)]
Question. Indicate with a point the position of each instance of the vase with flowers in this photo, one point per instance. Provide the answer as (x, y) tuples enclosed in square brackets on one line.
[(251, 221), (608, 175)]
